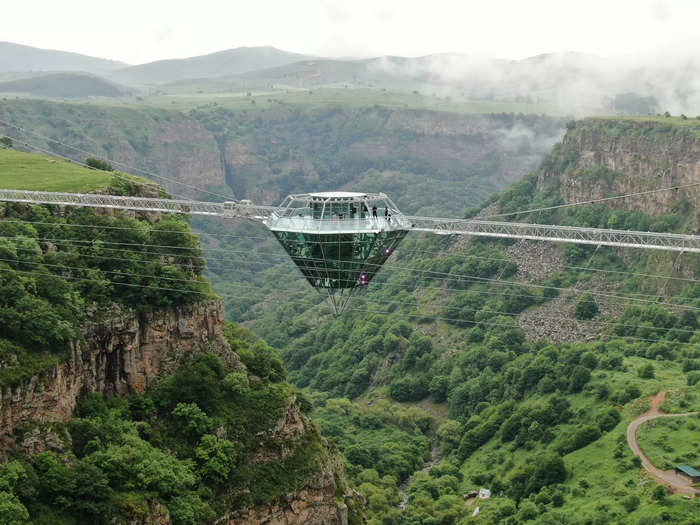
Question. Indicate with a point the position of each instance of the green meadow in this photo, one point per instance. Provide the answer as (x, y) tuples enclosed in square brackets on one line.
[(27, 171)]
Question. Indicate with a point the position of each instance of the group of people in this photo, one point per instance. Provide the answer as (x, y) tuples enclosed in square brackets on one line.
[(353, 212)]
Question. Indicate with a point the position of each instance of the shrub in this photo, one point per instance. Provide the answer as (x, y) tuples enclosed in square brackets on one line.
[(659, 493), (581, 437), (630, 503), (646, 371), (6, 142), (586, 307), (693, 378), (608, 419), (98, 164), (528, 511), (409, 388)]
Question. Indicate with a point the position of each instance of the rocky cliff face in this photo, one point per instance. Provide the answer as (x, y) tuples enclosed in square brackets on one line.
[(640, 156), (321, 502), (120, 355), (124, 354), (324, 500)]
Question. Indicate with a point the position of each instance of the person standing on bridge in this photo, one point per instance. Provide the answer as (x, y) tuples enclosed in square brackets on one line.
[(374, 212)]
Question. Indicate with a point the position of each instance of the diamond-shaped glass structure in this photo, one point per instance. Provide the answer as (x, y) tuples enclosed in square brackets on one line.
[(339, 240)]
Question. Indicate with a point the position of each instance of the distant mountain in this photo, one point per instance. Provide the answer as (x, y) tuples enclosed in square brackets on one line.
[(229, 62), (63, 85), (17, 57), (302, 74)]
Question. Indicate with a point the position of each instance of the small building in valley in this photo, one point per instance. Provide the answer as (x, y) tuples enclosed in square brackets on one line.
[(688, 472)]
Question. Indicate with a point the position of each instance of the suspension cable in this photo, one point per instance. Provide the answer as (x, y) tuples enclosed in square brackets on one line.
[(400, 250), (454, 320)]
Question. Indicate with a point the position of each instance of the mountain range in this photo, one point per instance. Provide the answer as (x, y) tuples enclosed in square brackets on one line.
[(572, 83)]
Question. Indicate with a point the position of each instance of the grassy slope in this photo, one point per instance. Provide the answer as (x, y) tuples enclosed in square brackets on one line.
[(350, 97), (63, 85), (670, 441), (598, 479), (692, 124), (27, 171)]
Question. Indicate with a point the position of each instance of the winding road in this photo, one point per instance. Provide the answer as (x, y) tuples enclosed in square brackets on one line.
[(666, 477)]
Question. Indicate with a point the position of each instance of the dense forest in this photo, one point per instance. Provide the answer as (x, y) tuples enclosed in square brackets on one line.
[(61, 270), (440, 330)]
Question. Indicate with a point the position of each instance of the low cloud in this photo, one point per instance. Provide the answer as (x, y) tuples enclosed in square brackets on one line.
[(573, 83)]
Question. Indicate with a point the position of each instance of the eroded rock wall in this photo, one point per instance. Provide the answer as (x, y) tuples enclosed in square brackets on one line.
[(120, 355), (643, 155)]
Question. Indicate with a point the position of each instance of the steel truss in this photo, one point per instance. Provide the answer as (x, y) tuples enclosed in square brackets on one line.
[(509, 230), (570, 234)]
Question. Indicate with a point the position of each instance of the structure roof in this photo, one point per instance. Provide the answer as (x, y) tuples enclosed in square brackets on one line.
[(344, 196), (687, 469), (330, 194)]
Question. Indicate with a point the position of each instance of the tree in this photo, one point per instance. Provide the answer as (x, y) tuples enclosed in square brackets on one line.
[(543, 470), (263, 361), (646, 371), (191, 420), (659, 493), (580, 376), (449, 434), (608, 419), (216, 457), (6, 142), (12, 512), (98, 164), (189, 509), (409, 388), (586, 308), (581, 437)]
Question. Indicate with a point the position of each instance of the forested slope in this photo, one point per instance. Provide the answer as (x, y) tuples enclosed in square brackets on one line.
[(124, 397), (528, 359)]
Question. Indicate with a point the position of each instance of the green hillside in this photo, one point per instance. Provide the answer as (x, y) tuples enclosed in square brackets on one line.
[(200, 444), (62, 85), (29, 171), (221, 63), (56, 280), (538, 386)]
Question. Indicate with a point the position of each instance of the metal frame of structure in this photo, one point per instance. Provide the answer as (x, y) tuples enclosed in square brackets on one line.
[(267, 214), (338, 240), (570, 234)]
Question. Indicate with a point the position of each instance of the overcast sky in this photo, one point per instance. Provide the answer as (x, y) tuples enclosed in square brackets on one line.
[(146, 30)]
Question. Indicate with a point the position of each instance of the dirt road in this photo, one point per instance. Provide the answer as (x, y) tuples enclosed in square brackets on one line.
[(666, 477)]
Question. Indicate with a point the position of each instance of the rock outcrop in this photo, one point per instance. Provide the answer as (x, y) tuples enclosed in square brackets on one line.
[(324, 500), (120, 355), (641, 156), (321, 502)]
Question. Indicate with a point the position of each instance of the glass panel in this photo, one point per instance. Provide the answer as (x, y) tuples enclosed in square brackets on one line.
[(337, 261)]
